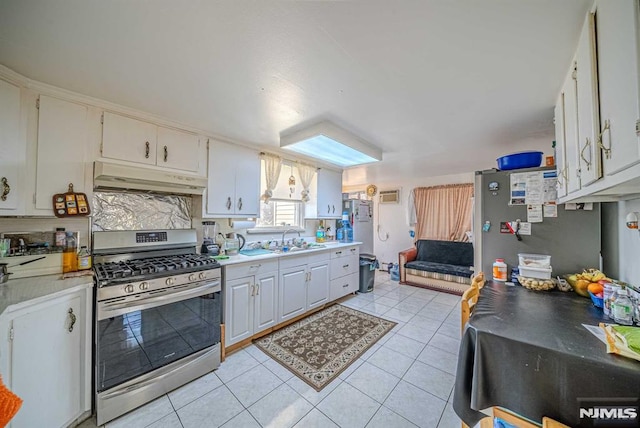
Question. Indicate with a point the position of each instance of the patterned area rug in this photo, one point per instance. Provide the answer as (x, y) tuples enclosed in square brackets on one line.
[(318, 348)]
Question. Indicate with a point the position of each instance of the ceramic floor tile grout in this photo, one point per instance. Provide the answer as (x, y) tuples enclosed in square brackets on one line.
[(382, 291)]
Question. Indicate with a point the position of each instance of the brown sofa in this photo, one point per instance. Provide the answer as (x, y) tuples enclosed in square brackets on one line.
[(439, 265)]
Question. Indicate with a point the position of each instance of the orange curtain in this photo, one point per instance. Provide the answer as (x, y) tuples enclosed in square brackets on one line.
[(443, 212)]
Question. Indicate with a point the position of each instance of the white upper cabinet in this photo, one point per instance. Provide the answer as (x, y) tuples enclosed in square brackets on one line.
[(13, 152), (587, 96), (233, 181), (326, 195), (569, 92), (561, 164), (177, 149), (617, 42), (61, 152), (128, 139)]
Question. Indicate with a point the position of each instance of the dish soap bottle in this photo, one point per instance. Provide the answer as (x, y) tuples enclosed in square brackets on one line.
[(320, 234), (84, 258)]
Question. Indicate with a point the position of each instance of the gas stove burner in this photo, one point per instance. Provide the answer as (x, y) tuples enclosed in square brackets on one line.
[(152, 267)]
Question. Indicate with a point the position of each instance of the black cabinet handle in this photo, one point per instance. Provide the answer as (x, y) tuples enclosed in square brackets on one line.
[(72, 316)]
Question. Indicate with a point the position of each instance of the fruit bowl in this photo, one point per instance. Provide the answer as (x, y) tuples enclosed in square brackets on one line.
[(598, 302)]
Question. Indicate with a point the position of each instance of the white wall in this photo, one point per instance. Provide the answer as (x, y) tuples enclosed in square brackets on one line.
[(629, 247), (392, 219)]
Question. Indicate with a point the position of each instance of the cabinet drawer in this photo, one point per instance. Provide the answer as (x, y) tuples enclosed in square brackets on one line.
[(290, 261), (344, 252), (344, 266), (342, 286), (249, 269)]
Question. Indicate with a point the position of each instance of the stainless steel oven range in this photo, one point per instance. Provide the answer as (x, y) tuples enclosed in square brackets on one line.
[(158, 313)]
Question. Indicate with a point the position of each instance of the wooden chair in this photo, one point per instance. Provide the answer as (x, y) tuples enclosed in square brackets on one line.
[(470, 297), (550, 423)]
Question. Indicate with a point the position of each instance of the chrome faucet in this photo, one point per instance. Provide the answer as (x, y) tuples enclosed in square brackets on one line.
[(285, 232)]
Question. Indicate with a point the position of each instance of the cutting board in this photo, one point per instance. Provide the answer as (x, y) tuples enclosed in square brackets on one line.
[(254, 252)]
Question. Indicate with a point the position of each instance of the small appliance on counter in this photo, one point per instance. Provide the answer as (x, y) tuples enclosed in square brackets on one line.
[(233, 243), (209, 231)]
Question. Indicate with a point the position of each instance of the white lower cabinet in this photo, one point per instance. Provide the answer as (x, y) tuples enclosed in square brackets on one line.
[(46, 360), (293, 292), (318, 284), (251, 291), (304, 284), (263, 294)]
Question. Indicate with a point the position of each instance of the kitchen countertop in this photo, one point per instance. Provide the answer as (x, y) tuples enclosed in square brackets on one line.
[(241, 258), (20, 292)]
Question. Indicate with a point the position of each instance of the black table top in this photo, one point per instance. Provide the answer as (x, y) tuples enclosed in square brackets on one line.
[(528, 351)]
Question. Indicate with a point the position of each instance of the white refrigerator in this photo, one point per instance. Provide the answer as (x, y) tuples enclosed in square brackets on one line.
[(361, 217)]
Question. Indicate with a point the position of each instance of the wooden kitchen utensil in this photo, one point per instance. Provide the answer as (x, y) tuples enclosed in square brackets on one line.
[(71, 204)]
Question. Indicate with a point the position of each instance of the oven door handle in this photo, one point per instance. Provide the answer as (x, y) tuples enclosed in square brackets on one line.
[(107, 310)]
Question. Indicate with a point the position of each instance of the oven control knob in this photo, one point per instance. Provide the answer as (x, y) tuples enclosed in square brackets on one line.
[(202, 275), (144, 285), (169, 281), (192, 277), (128, 288)]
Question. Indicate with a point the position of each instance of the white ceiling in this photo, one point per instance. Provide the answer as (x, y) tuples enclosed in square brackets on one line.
[(441, 86)]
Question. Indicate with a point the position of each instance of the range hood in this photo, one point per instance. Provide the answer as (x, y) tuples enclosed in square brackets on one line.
[(108, 175)]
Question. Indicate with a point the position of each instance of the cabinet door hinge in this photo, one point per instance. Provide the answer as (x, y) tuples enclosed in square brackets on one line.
[(102, 118), (11, 333), (638, 127), (574, 73), (38, 103)]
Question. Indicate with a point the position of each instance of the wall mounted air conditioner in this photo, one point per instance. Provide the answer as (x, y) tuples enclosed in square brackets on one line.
[(390, 196)]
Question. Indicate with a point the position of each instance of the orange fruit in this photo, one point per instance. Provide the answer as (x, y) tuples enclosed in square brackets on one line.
[(595, 288)]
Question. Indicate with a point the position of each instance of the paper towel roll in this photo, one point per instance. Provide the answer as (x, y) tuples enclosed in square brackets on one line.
[(244, 224)]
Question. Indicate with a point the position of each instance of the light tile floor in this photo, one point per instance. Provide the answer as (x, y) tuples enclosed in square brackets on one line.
[(404, 380)]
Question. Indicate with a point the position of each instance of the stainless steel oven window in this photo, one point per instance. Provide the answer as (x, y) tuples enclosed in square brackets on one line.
[(140, 338)]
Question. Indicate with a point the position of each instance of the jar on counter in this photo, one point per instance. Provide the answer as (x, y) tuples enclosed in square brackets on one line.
[(622, 308), (500, 270), (608, 294)]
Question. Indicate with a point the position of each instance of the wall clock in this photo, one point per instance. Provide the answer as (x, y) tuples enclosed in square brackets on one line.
[(371, 190)]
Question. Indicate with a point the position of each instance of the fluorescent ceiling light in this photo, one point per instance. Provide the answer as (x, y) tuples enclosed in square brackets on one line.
[(332, 144)]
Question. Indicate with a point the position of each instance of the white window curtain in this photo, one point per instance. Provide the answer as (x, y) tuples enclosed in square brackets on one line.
[(272, 167), (306, 172)]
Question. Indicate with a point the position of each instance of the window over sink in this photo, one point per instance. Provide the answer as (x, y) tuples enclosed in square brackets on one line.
[(285, 210), (281, 213)]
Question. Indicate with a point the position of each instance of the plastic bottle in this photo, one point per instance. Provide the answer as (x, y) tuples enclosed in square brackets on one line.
[(500, 270), (320, 233), (61, 237), (70, 257), (341, 234), (345, 233), (622, 308), (84, 258)]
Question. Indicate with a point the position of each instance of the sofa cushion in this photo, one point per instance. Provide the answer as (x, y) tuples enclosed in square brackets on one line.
[(443, 268), (447, 252)]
